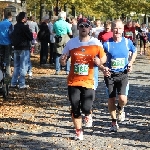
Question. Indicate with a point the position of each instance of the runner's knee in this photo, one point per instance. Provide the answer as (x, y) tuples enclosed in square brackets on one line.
[(86, 109), (75, 114)]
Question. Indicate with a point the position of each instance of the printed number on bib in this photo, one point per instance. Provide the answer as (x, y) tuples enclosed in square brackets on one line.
[(118, 63), (81, 69)]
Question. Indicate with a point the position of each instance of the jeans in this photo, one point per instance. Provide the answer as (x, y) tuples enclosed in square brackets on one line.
[(57, 64), (29, 71), (6, 51), (21, 63)]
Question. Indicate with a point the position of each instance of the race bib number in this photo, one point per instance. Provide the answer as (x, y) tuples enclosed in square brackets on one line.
[(81, 69), (128, 34), (118, 63)]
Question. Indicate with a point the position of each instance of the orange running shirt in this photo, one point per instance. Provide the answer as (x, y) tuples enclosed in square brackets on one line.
[(83, 71)]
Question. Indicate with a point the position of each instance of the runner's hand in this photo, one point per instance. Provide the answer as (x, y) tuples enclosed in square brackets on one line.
[(129, 67), (97, 61), (64, 57), (106, 71)]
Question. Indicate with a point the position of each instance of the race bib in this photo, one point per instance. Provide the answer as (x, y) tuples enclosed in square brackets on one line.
[(118, 63), (81, 69), (128, 34)]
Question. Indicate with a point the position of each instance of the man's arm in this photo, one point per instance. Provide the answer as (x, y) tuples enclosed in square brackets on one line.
[(103, 60), (103, 67), (28, 33), (100, 61), (105, 70), (132, 57), (63, 59)]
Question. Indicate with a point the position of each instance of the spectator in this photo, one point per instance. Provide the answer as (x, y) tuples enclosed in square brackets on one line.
[(52, 41), (5, 43), (62, 30), (34, 28), (21, 51), (44, 38), (45, 19), (75, 31), (32, 24)]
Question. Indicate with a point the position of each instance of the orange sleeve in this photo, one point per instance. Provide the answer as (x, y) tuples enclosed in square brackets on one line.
[(101, 52)]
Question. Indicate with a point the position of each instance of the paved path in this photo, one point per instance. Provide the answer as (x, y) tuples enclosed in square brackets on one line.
[(47, 126)]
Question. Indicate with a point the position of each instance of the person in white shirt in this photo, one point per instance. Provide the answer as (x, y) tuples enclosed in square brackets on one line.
[(52, 41), (97, 29), (75, 31)]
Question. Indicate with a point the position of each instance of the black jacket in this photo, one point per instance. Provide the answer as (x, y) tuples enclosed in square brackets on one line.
[(44, 34), (24, 35)]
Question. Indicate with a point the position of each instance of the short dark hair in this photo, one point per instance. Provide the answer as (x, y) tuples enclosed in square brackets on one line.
[(107, 23), (21, 16), (8, 15), (68, 20)]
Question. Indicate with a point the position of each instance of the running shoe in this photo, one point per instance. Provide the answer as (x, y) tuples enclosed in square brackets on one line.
[(24, 87), (30, 77), (88, 121), (114, 127), (79, 134)]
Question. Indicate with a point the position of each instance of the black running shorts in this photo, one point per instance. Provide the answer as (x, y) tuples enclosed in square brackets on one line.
[(117, 82), (81, 99)]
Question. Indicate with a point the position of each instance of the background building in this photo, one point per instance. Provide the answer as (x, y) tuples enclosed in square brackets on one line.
[(5, 3)]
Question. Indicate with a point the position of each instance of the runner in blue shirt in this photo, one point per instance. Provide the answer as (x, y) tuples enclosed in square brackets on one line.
[(121, 54)]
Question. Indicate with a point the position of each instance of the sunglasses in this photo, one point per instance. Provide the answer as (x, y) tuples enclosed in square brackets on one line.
[(84, 25)]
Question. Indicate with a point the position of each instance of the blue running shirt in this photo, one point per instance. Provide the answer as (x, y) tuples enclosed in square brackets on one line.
[(118, 53)]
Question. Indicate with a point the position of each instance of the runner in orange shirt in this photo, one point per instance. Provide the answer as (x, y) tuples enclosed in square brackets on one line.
[(87, 55)]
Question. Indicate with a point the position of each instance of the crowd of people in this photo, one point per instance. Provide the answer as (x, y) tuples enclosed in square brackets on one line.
[(90, 46)]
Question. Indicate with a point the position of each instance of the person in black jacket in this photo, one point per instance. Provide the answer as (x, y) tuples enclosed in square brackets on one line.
[(21, 51), (44, 37)]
